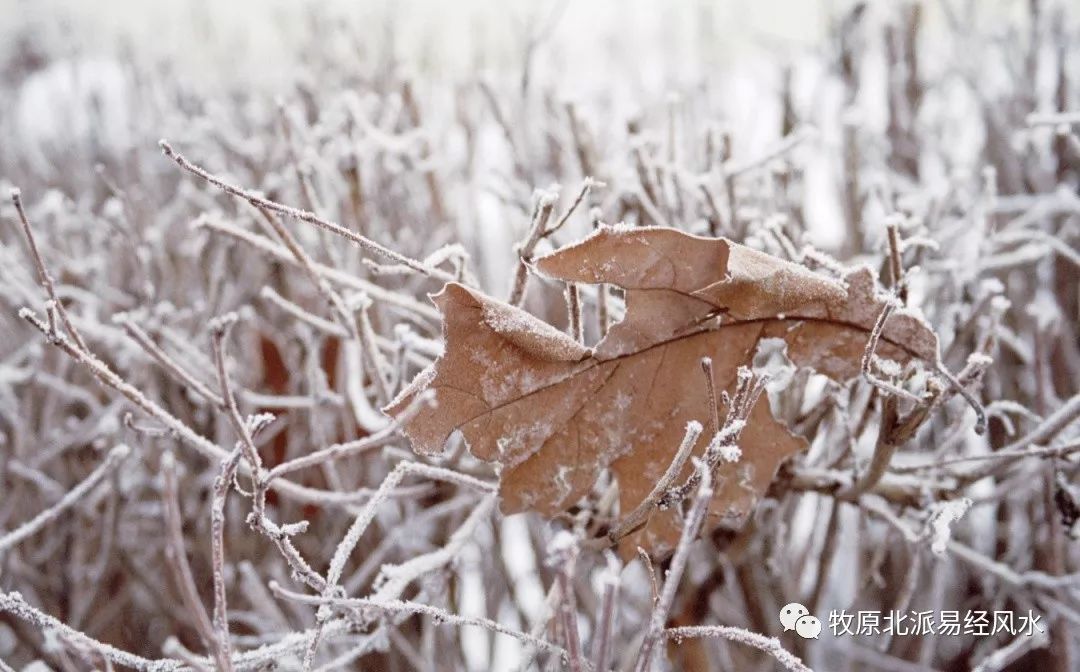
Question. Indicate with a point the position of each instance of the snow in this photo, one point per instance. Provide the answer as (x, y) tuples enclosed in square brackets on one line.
[(1044, 310), (538, 337), (887, 366), (943, 516), (730, 453)]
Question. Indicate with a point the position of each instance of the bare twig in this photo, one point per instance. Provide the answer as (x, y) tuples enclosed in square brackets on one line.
[(14, 604), (43, 273), (203, 445), (356, 530), (303, 215), (694, 520), (219, 331), (769, 645), (340, 450), (867, 364), (896, 264), (636, 518), (409, 607), (602, 640), (217, 541), (168, 363), (1050, 427), (73, 497), (573, 308), (176, 557), (542, 211), (1001, 658), (281, 253), (723, 447), (710, 396), (565, 557), (587, 185)]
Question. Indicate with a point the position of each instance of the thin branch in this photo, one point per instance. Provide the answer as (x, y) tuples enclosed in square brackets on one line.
[(1050, 585), (710, 396), (393, 579), (567, 556), (1001, 658), (282, 254), (573, 309), (219, 330), (694, 521), (303, 215), (789, 142), (176, 558), (1043, 452), (723, 447), (319, 323), (204, 446), (769, 645), (961, 389), (217, 542), (867, 363), (605, 621), (14, 604), (168, 363), (603, 318), (896, 264), (636, 518), (1050, 427), (542, 211), (410, 607), (551, 602), (43, 272), (586, 186), (894, 431), (1053, 119), (360, 524), (340, 450), (73, 497)]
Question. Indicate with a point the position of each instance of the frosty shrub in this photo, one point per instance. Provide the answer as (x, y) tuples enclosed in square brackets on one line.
[(578, 336)]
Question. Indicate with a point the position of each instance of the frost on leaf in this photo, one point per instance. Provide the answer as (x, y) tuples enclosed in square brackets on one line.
[(554, 414)]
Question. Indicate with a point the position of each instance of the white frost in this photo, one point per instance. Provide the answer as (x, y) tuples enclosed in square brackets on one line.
[(943, 516)]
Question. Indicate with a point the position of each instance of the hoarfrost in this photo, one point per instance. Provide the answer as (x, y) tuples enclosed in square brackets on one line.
[(942, 517)]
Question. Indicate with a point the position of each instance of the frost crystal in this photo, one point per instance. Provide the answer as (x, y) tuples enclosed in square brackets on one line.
[(941, 520)]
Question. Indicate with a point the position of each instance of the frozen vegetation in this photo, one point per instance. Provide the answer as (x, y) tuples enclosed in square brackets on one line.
[(198, 334)]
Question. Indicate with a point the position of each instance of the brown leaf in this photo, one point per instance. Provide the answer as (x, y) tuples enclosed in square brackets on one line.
[(554, 413)]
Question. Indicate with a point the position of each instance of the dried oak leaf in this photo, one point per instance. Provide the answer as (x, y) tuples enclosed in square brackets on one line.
[(553, 413)]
